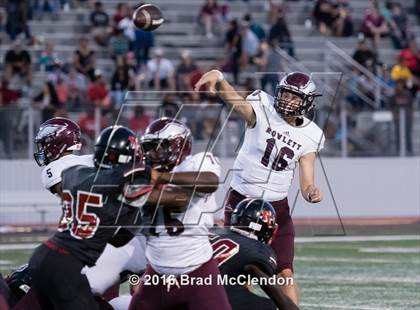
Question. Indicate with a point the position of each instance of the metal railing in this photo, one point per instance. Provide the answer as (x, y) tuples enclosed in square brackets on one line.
[(366, 133), (335, 57)]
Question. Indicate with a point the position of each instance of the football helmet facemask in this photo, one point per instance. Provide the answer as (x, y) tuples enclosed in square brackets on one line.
[(166, 143), (295, 95)]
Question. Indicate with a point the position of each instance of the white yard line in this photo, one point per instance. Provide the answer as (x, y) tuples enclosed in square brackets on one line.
[(18, 246), (397, 250), (359, 260), (5, 262), (356, 238), (29, 246), (331, 306), (358, 279)]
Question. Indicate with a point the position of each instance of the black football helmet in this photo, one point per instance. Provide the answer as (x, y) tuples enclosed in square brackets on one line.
[(116, 145), (256, 217), (19, 282)]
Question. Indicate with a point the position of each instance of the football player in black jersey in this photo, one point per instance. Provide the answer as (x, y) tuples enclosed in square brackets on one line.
[(96, 202), (243, 250)]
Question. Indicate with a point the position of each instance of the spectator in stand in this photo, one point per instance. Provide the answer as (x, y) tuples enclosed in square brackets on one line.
[(17, 61), (47, 100), (274, 8), (122, 10), (62, 88), (324, 16), (402, 101), (401, 72), (51, 7), (250, 86), (160, 71), (139, 120), (127, 25), (343, 24), (77, 88), (250, 44), (364, 55), (99, 21), (169, 106), (210, 16), (17, 19), (121, 82), (130, 62), (417, 10), (48, 59), (411, 55), (270, 64), (2, 25), (81, 4), (8, 100), (7, 96), (119, 44), (97, 92), (87, 122), (84, 59), (386, 77), (398, 26), (184, 71), (280, 36), (256, 28), (374, 25), (233, 50), (144, 41)]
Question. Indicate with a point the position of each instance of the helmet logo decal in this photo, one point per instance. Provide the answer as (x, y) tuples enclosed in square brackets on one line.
[(266, 216), (133, 142)]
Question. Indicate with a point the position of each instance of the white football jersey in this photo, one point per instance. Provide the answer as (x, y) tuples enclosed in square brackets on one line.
[(51, 174), (266, 162), (179, 253)]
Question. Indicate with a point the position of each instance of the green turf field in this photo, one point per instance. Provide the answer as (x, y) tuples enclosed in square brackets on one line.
[(339, 275)]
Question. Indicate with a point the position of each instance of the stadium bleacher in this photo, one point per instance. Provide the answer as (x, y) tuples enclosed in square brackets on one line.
[(182, 31)]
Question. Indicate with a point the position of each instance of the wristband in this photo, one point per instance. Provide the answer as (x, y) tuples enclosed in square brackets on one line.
[(221, 76)]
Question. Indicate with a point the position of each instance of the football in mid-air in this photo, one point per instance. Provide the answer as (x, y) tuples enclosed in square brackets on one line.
[(148, 17)]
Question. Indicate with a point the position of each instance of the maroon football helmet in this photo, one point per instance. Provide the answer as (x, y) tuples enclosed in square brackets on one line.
[(295, 94), (55, 137), (166, 143)]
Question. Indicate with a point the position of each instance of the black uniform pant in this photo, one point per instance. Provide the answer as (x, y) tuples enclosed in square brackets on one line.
[(241, 298), (57, 281)]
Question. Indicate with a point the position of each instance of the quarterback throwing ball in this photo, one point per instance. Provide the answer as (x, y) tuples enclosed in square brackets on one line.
[(278, 137)]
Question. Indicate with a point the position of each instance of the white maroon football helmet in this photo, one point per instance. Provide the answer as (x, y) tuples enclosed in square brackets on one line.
[(55, 137), (301, 85), (166, 143)]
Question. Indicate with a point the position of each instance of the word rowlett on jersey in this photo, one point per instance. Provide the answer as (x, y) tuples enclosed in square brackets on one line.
[(283, 138)]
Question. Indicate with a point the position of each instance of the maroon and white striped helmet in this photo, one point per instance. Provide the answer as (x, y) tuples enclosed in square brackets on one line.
[(300, 85), (56, 137), (166, 143)]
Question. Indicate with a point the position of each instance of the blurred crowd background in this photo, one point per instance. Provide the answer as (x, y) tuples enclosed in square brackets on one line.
[(79, 58)]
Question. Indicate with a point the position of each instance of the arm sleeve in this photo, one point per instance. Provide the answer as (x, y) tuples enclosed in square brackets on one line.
[(267, 261), (114, 179), (209, 163), (256, 101), (51, 174)]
